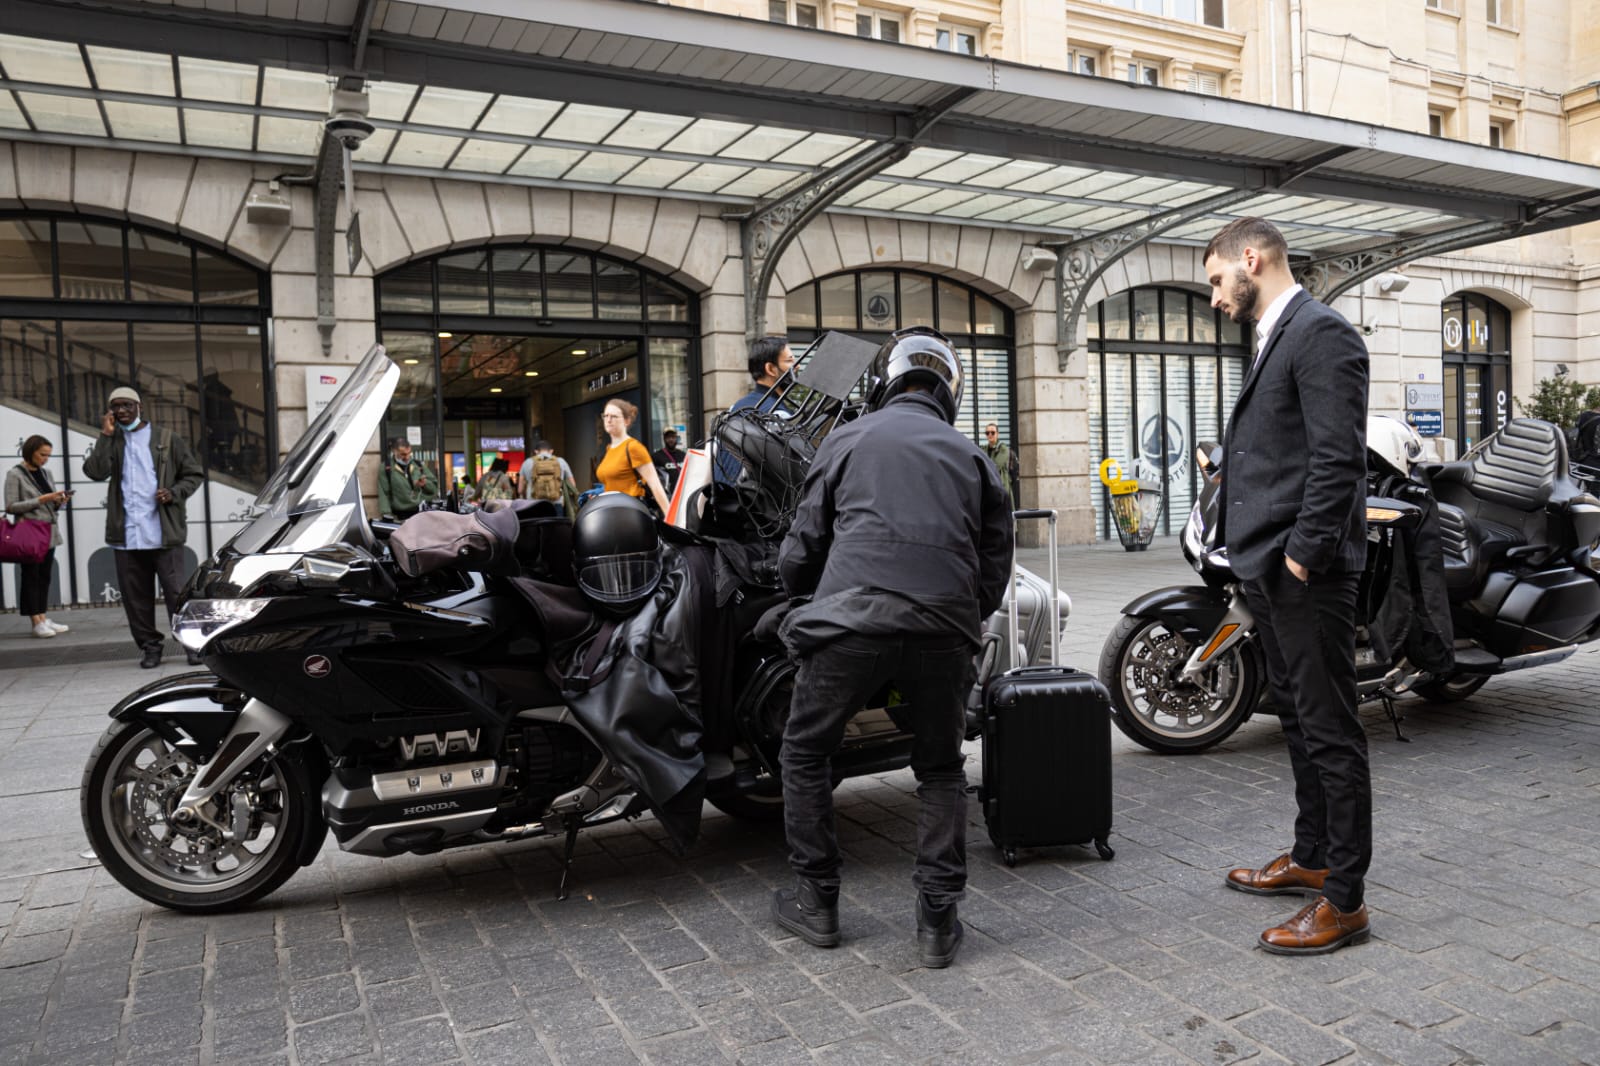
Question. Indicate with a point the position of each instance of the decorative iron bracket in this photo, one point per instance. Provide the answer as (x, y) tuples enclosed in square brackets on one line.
[(767, 229), (1081, 263)]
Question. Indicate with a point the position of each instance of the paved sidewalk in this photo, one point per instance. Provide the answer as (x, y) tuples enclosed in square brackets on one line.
[(1485, 950)]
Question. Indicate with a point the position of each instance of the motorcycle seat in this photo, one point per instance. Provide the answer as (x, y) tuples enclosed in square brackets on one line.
[(1501, 497)]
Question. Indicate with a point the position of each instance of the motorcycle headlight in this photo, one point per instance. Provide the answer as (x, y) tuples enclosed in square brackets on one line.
[(200, 620)]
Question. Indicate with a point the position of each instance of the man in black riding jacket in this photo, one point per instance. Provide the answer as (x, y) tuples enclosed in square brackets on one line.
[(902, 545)]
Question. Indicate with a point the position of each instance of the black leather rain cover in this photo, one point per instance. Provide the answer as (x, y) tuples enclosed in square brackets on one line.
[(1415, 615)]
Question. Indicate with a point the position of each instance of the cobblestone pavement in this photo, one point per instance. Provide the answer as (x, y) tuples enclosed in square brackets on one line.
[(1485, 945)]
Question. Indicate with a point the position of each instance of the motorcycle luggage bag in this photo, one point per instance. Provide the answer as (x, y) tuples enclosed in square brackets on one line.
[(1046, 753)]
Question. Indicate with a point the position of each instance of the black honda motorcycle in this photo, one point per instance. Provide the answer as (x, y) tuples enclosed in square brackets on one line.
[(406, 712), (1519, 543)]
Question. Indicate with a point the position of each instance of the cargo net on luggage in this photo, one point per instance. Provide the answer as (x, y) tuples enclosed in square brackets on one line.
[(762, 453)]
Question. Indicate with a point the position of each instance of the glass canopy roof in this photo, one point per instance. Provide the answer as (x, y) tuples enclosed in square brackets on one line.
[(85, 93)]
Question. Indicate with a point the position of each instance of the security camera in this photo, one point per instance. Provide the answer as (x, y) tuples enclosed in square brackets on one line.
[(347, 118), (1370, 326)]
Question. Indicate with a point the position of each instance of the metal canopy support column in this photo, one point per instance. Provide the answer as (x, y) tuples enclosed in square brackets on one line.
[(1081, 263), (769, 228)]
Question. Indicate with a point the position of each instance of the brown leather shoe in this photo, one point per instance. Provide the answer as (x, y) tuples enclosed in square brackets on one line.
[(1280, 877), (1319, 928)]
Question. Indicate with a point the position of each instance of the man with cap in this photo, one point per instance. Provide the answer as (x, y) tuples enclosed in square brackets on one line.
[(152, 472)]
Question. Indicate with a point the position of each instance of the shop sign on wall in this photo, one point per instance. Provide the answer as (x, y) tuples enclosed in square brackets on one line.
[(1424, 396), (611, 377), (1427, 423), (321, 383)]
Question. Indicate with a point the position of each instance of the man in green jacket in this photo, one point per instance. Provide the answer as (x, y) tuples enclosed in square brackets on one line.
[(1000, 455), (404, 483), (152, 473)]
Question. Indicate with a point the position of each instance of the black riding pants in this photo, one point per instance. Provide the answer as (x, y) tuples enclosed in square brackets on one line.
[(1307, 630), (932, 676)]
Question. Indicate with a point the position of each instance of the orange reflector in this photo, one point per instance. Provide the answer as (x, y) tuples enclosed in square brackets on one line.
[(1222, 635), (1382, 514)]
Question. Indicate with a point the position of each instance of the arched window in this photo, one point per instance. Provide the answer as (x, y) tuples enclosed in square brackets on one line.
[(1475, 332), (1164, 371), (502, 344), (87, 305), (874, 303)]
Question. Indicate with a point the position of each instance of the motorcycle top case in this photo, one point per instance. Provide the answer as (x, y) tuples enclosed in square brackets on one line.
[(1046, 760)]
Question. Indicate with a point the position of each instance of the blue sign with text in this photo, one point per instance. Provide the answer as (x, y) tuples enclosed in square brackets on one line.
[(1427, 423)]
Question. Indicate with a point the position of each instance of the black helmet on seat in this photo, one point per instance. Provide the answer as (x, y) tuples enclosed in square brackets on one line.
[(616, 552), (916, 355)]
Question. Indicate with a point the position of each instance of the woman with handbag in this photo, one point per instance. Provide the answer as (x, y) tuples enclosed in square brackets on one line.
[(30, 496)]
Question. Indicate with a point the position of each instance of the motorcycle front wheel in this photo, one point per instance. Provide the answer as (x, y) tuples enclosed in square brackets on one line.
[(1140, 664), (251, 838)]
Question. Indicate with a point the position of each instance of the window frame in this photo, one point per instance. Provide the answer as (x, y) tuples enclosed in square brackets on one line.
[(879, 16), (956, 30), (1082, 54), (791, 13)]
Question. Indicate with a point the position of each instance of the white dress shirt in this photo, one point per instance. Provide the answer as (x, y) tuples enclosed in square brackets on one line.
[(1270, 316)]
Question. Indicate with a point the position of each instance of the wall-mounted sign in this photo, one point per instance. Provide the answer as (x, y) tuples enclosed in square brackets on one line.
[(614, 376), (321, 383), (500, 444), (1427, 423), (483, 407), (1422, 396), (414, 436), (1452, 334)]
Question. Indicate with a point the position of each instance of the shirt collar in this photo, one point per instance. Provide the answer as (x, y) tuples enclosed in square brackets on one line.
[(1269, 317)]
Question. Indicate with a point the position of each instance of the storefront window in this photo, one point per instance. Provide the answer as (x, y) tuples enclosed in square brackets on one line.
[(1475, 341), (1160, 381), (183, 325), (872, 304)]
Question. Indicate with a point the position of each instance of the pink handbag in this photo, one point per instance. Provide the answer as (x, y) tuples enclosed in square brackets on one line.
[(24, 541)]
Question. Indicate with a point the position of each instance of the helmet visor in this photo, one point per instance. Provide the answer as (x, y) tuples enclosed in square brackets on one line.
[(616, 580)]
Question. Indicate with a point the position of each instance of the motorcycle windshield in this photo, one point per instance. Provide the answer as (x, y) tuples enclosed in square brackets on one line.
[(317, 477)]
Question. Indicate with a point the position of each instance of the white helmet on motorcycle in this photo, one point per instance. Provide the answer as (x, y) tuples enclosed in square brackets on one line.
[(1394, 443)]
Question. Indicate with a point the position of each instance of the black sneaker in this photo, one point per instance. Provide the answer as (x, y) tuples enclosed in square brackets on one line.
[(194, 657), (939, 934), (151, 657), (807, 911)]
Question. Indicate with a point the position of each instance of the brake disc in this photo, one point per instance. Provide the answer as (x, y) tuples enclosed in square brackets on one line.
[(152, 800)]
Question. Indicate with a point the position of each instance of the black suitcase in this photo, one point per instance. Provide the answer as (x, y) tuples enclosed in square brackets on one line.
[(1046, 748)]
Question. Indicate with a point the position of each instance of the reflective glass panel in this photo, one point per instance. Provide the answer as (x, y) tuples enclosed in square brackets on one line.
[(878, 310), (296, 90), (142, 122), (1115, 311), (159, 268), (414, 149), (1472, 426), (991, 317), (120, 70), (709, 177), (955, 310), (669, 391), (664, 303), (217, 129), (453, 108), (645, 130), (516, 283), (1175, 316), (838, 302), (519, 115), (25, 258), (1477, 327), (569, 285), (288, 135), (488, 156), (97, 362), (10, 113), (541, 162), (763, 142), (51, 62), (63, 114), (411, 408), (584, 123), (656, 173), (801, 308), (407, 288), (1452, 405), (389, 100), (165, 375), (223, 281), (1146, 315), (233, 404), (1204, 324), (617, 290), (916, 300), (210, 79), (707, 136), (990, 385), (90, 261), (602, 167), (464, 284), (966, 421), (29, 370)]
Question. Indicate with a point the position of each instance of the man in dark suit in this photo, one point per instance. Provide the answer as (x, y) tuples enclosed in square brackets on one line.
[(1294, 523)]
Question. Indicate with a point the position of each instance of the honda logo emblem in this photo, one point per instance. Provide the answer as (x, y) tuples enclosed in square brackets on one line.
[(317, 666)]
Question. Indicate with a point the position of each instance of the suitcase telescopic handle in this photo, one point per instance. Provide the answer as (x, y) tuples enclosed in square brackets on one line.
[(1049, 515)]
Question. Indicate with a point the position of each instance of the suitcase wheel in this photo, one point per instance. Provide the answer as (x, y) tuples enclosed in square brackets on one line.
[(1105, 851), (1009, 856)]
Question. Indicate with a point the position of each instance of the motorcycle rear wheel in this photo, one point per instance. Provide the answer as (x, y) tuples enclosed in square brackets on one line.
[(131, 785), (1452, 690), (749, 807), (1139, 663)]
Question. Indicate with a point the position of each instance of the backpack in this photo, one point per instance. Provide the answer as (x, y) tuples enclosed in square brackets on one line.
[(546, 478)]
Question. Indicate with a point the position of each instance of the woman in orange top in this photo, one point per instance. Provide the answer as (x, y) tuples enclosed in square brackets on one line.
[(627, 466)]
